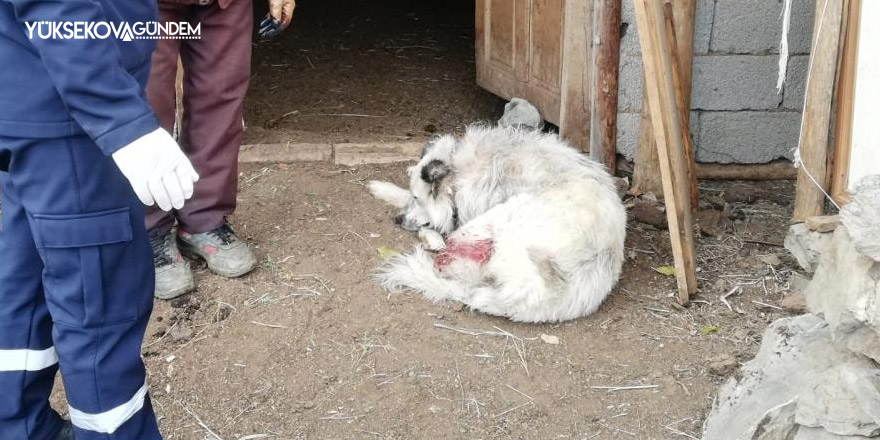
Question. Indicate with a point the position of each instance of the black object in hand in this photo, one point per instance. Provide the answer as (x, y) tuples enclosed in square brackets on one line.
[(269, 27)]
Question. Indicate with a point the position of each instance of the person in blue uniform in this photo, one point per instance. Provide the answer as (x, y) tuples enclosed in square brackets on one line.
[(80, 152)]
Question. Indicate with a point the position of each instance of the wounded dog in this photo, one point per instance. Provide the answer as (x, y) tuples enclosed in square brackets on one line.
[(534, 229)]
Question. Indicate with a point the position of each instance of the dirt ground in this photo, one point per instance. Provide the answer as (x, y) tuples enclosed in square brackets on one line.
[(368, 71), (307, 347)]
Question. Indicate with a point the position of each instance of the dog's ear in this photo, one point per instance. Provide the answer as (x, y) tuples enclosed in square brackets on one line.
[(435, 170)]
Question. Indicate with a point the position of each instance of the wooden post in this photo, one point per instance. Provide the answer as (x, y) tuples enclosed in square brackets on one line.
[(683, 108), (645, 175), (845, 103), (666, 123), (603, 89), (816, 120)]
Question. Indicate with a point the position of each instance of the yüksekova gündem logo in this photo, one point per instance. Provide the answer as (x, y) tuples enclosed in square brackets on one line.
[(101, 30)]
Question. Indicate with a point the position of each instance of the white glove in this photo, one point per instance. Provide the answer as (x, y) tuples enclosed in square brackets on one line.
[(158, 171)]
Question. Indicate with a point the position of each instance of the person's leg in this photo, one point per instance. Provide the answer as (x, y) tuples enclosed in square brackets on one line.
[(173, 274), (89, 231), (216, 75), (162, 96), (28, 360)]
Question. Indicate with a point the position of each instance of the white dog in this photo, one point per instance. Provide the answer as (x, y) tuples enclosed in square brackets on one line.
[(534, 229)]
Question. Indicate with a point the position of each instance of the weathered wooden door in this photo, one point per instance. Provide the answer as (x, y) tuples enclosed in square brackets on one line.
[(538, 50)]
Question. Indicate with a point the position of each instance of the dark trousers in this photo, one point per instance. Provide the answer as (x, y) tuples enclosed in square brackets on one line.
[(76, 291), (216, 75)]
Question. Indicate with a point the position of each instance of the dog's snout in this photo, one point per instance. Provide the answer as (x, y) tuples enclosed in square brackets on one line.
[(398, 220)]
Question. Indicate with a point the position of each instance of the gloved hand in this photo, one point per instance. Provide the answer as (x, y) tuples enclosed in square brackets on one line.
[(158, 171)]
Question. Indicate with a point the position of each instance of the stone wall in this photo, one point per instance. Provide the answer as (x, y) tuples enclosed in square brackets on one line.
[(737, 116)]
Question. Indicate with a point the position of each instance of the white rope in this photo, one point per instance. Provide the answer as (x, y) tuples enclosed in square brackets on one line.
[(797, 152), (783, 46)]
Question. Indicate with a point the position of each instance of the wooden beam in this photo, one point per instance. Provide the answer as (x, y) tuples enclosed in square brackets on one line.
[(816, 120), (603, 89), (777, 170), (575, 119), (683, 108), (645, 175), (666, 123), (846, 83)]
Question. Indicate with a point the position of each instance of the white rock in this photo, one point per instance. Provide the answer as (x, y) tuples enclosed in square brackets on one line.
[(836, 402), (862, 217), (521, 113), (805, 433), (795, 356), (806, 246), (846, 293)]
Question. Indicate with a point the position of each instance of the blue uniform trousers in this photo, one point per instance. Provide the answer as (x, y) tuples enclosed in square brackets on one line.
[(76, 287)]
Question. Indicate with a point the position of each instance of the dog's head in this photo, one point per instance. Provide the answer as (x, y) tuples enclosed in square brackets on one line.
[(429, 203)]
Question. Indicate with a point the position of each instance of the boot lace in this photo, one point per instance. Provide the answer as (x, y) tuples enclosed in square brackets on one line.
[(159, 243), (224, 233)]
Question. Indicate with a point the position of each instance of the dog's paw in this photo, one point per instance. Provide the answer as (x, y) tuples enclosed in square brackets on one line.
[(389, 193), (431, 240)]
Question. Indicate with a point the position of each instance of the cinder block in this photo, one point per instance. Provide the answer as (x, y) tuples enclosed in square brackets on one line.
[(285, 153), (747, 137), (755, 26), (627, 134), (631, 81), (735, 82), (796, 82), (628, 126), (629, 44), (703, 26), (360, 154)]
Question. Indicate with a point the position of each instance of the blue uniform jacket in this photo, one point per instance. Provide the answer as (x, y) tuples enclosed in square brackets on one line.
[(52, 88)]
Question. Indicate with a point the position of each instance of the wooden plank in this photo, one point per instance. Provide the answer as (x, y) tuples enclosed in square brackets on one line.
[(665, 118), (645, 175), (604, 84), (845, 103), (574, 124), (683, 108), (777, 170), (846, 77), (816, 119)]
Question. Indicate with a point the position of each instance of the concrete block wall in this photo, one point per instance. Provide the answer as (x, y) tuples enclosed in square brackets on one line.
[(736, 114)]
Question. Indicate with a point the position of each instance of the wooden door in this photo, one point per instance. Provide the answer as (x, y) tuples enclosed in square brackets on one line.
[(538, 50)]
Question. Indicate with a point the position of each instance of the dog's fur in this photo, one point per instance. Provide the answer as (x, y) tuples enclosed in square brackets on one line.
[(550, 217)]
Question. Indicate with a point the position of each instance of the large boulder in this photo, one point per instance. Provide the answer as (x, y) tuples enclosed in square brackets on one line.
[(806, 246), (862, 217), (801, 385), (846, 293)]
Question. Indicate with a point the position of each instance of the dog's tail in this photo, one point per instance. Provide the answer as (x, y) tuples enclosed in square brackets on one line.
[(416, 271)]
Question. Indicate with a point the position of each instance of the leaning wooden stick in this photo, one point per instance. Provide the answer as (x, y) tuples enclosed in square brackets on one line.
[(816, 120), (681, 102), (666, 123)]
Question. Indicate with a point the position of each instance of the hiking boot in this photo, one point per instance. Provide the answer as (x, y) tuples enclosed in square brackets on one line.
[(173, 274), (66, 432), (224, 252)]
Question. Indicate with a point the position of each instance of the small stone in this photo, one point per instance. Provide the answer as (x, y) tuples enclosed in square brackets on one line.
[(458, 306), (723, 365), (550, 339), (713, 223), (651, 213), (823, 223), (795, 302), (740, 194), (520, 113), (181, 333)]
